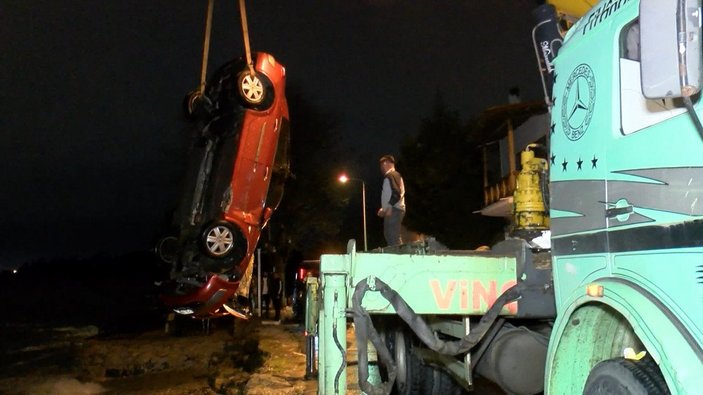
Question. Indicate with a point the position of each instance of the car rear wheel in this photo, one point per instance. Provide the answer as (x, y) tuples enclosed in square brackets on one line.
[(251, 88), (255, 90), (219, 239)]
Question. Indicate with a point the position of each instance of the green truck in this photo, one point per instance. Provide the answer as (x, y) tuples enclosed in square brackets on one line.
[(598, 286)]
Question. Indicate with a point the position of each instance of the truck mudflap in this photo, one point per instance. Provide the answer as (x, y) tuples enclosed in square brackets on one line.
[(365, 330)]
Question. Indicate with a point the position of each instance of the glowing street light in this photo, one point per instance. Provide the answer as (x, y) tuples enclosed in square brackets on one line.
[(343, 178)]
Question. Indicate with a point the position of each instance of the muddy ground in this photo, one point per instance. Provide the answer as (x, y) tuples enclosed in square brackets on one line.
[(97, 326), (252, 357)]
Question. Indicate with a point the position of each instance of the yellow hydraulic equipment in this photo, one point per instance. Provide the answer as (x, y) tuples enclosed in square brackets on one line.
[(573, 8), (530, 192)]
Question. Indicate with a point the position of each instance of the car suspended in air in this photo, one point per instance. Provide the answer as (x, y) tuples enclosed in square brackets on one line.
[(234, 182)]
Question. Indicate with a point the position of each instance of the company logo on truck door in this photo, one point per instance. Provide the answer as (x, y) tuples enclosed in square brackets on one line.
[(472, 295), (578, 102), (602, 13)]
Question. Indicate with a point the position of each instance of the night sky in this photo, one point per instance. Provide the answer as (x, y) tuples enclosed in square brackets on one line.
[(93, 141)]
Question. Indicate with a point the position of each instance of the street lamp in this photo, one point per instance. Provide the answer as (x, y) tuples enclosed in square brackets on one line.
[(344, 179)]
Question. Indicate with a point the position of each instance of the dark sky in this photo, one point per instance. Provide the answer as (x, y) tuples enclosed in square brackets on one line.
[(90, 95)]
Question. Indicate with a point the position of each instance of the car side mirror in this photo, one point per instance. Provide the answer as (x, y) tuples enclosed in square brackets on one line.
[(670, 42), (266, 214)]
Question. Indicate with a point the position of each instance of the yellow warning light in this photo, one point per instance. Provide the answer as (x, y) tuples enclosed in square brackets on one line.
[(272, 60), (594, 290)]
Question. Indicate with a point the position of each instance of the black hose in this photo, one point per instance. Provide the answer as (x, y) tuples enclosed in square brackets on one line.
[(490, 335), (683, 75), (365, 330), (342, 350), (544, 188), (694, 116)]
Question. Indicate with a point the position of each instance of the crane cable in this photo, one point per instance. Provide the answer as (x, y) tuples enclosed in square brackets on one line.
[(206, 46), (245, 34)]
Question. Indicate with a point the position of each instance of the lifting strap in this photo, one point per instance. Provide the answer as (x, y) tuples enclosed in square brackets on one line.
[(206, 46), (245, 34)]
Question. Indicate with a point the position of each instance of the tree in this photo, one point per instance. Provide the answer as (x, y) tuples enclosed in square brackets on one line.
[(310, 213), (443, 179)]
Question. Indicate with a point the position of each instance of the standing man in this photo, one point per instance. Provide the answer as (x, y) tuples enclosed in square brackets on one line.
[(277, 295), (392, 201), (265, 302)]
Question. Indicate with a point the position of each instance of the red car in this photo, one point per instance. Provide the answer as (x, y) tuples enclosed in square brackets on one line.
[(239, 163)]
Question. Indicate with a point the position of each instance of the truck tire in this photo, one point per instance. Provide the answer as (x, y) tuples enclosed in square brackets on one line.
[(409, 374), (413, 377), (439, 382), (622, 376), (409, 381)]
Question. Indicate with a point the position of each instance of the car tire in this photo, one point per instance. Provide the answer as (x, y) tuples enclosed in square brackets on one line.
[(190, 103), (168, 249), (625, 376), (255, 90), (220, 239)]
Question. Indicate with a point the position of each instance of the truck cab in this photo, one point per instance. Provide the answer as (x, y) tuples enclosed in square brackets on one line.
[(612, 303), (626, 180)]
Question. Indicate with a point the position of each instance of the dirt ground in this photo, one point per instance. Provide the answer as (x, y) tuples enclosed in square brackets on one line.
[(255, 357), (71, 332), (96, 326), (231, 357)]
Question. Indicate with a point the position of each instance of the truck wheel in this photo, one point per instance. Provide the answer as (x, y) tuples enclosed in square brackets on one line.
[(415, 377), (439, 382), (409, 378), (622, 376)]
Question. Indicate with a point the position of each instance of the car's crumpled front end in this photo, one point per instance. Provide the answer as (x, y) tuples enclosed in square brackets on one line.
[(200, 299)]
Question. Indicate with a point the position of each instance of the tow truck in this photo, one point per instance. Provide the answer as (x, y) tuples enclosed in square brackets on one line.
[(598, 286)]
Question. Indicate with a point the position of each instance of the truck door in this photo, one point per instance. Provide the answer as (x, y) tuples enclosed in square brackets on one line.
[(580, 132), (637, 157)]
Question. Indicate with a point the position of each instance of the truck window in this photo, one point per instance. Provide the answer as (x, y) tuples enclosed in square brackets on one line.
[(636, 111)]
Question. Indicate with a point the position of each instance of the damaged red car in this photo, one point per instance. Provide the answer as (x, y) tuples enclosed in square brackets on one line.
[(239, 162)]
